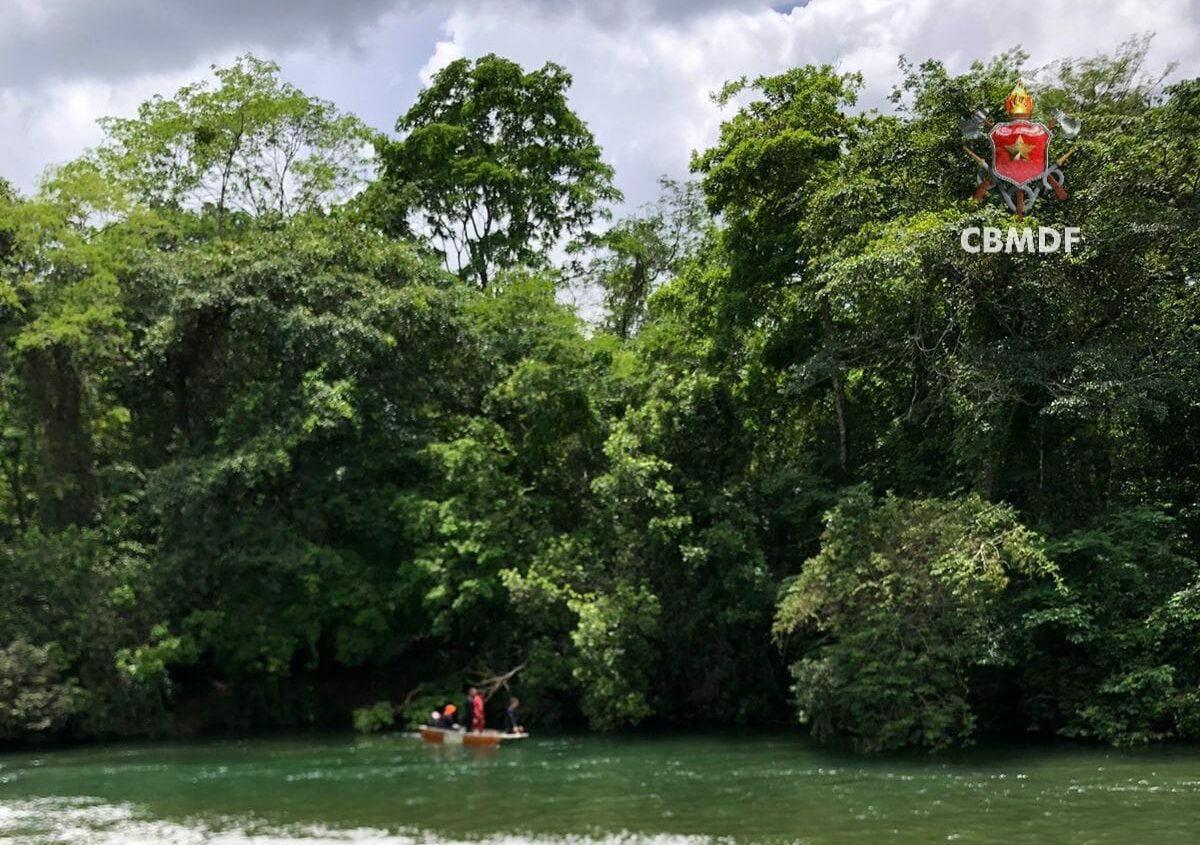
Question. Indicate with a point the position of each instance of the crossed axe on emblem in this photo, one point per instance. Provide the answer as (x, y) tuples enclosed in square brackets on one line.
[(1018, 197)]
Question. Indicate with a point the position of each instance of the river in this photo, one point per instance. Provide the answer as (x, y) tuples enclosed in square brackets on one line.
[(590, 790)]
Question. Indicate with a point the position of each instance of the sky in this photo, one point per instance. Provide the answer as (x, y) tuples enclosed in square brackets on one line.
[(643, 71)]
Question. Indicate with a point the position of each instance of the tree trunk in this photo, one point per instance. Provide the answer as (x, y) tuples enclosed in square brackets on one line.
[(68, 487), (839, 384)]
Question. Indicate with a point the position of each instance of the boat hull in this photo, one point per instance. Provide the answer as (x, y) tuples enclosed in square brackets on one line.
[(485, 739)]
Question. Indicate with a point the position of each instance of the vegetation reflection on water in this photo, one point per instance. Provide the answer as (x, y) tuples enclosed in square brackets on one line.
[(590, 789)]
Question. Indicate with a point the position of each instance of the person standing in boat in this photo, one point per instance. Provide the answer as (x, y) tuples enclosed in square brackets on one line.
[(464, 715), (512, 717), (476, 710)]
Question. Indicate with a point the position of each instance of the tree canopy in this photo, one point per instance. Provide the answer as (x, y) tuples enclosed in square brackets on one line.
[(499, 165), (252, 145)]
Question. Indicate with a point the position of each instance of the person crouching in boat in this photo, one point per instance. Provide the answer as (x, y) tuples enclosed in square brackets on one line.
[(512, 717), (447, 720)]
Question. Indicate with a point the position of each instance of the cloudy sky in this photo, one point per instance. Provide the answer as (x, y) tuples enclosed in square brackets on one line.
[(643, 70)]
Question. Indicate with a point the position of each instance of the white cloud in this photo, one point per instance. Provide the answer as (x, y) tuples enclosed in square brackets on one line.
[(444, 53), (642, 80)]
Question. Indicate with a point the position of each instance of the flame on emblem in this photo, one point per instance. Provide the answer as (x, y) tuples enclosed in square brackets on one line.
[(1018, 103)]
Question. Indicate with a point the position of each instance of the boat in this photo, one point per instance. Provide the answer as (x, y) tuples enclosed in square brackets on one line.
[(476, 739)]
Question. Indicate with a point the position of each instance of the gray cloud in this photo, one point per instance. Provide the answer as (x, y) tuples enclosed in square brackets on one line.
[(54, 40), (615, 14), (71, 39)]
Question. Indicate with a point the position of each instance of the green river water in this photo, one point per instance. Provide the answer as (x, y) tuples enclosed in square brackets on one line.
[(580, 790)]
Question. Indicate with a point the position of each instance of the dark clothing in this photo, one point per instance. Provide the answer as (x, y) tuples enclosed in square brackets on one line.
[(446, 722), (464, 713), (512, 720)]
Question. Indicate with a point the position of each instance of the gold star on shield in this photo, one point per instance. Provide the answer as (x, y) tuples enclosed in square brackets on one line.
[(1020, 150)]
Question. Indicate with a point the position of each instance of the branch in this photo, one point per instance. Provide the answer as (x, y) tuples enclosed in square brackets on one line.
[(490, 683)]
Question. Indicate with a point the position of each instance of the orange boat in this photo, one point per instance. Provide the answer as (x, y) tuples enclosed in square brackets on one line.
[(485, 739)]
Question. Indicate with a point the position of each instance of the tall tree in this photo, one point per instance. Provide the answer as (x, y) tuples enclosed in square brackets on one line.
[(771, 159), (634, 256), (500, 166), (252, 144)]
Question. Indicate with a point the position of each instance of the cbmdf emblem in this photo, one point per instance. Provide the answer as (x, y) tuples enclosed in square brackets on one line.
[(1020, 167)]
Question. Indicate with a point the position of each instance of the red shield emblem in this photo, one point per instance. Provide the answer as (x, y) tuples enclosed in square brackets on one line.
[(1020, 151)]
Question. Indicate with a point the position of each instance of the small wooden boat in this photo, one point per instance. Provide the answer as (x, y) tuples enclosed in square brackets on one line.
[(485, 739)]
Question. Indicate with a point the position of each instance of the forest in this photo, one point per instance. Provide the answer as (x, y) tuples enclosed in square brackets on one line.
[(295, 423)]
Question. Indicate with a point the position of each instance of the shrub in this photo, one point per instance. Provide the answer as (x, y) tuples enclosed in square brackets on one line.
[(369, 720), (33, 698)]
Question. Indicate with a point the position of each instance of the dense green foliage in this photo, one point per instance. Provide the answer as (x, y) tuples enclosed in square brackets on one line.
[(265, 462), (912, 599)]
